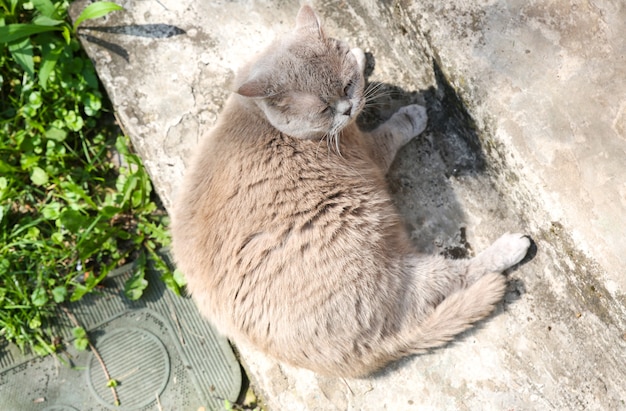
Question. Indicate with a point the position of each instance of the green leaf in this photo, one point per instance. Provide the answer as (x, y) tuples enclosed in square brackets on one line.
[(57, 237), (34, 323), (81, 341), (28, 161), (79, 332), (136, 284), (179, 278), (67, 35), (32, 233), (50, 54), (13, 4), (73, 220), (41, 350), (22, 53), (35, 100), (79, 291), (56, 134), (95, 10), (6, 168), (128, 188), (121, 145), (137, 198), (39, 297), (76, 191), (59, 294), (45, 7), (112, 383), (173, 282), (92, 104), (124, 235), (51, 211), (74, 121), (81, 344), (39, 177), (89, 75), (109, 211), (13, 32), (47, 21)]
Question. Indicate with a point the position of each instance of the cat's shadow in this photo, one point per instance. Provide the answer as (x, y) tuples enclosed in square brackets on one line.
[(420, 178)]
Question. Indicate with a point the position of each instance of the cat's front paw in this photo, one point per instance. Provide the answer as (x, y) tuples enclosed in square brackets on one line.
[(412, 119)]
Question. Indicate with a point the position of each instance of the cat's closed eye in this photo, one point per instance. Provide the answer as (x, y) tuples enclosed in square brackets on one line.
[(347, 90), (325, 106)]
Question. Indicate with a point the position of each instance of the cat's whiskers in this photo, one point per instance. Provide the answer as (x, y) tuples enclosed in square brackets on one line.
[(333, 140), (374, 89), (379, 96), (336, 139), (375, 104), (324, 137), (374, 96), (373, 86)]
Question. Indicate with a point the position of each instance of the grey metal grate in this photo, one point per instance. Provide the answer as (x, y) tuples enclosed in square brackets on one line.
[(158, 349)]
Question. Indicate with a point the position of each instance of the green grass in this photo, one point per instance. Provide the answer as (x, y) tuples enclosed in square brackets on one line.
[(68, 214)]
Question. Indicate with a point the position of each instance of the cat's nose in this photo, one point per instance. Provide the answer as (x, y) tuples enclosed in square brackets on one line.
[(344, 107)]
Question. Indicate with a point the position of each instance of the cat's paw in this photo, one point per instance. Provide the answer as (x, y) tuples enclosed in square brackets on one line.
[(413, 119), (505, 252)]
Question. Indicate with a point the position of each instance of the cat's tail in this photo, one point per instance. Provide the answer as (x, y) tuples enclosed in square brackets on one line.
[(457, 312)]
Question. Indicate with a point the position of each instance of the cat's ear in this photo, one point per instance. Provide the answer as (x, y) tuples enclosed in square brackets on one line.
[(254, 88), (258, 84), (308, 21)]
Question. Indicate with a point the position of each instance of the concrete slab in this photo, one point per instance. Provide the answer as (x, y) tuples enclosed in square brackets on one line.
[(528, 132)]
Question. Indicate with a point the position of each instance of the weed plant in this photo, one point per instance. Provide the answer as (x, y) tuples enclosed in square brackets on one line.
[(68, 213)]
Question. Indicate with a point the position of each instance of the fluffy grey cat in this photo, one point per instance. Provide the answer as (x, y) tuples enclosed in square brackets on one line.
[(287, 234)]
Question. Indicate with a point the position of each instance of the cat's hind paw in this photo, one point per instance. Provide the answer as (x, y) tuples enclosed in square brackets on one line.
[(505, 252)]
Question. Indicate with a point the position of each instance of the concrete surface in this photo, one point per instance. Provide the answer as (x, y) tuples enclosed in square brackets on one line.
[(527, 101)]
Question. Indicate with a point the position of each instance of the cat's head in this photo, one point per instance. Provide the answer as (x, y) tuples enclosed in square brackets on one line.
[(308, 85)]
